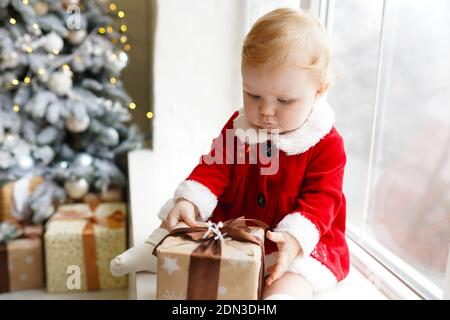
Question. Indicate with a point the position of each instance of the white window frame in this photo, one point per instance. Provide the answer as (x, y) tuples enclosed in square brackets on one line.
[(364, 248)]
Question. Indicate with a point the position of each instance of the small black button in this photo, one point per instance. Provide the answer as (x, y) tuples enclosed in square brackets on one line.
[(261, 200)]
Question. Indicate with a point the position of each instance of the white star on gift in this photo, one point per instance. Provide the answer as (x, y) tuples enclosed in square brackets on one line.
[(170, 265)]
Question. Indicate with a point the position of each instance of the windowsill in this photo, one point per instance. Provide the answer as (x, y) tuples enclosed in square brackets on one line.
[(147, 196)]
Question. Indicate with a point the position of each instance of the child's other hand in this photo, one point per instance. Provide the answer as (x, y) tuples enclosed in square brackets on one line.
[(288, 249), (183, 210)]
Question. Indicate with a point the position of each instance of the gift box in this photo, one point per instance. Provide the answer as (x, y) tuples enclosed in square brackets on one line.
[(21, 261), (213, 262), (80, 241), (14, 196)]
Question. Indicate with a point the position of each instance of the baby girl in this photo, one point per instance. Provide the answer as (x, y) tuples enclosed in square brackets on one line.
[(285, 73)]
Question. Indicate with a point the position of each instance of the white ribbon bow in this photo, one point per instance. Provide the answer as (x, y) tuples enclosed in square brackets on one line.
[(215, 228)]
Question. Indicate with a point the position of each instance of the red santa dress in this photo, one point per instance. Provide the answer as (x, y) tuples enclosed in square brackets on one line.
[(300, 191)]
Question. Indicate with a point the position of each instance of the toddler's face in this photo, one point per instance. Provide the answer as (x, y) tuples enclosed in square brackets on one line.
[(280, 99)]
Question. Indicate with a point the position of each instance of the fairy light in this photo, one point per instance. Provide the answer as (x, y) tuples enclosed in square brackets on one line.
[(27, 80), (12, 21), (41, 71), (66, 67), (113, 80), (149, 115), (16, 108), (132, 106), (101, 30), (35, 26), (123, 28), (115, 41), (109, 29), (113, 7), (55, 52), (15, 82), (29, 49), (123, 39), (25, 2), (127, 47), (121, 14)]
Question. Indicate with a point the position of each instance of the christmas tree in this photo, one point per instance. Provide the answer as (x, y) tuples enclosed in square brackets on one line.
[(64, 113)]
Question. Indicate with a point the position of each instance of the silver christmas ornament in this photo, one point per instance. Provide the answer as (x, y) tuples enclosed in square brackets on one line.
[(83, 159), (75, 125), (25, 162), (60, 82), (76, 188), (53, 42), (110, 137)]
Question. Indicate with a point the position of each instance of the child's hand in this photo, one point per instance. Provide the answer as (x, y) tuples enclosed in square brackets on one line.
[(185, 211), (288, 249)]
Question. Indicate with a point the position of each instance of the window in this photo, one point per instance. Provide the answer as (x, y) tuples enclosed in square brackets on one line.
[(392, 101)]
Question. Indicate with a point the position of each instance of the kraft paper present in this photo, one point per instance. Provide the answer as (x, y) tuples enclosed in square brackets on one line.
[(13, 197), (21, 262), (80, 241), (211, 269)]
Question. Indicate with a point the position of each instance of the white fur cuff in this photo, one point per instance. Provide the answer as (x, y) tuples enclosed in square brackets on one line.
[(302, 229), (165, 209), (199, 195)]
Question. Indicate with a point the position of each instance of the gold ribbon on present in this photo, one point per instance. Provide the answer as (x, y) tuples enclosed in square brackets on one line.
[(204, 263), (115, 220)]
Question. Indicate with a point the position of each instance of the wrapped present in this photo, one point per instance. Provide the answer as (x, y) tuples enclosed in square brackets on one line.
[(213, 262), (21, 258), (14, 197), (80, 241)]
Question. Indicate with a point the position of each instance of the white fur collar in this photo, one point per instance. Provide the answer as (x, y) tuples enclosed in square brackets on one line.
[(318, 124)]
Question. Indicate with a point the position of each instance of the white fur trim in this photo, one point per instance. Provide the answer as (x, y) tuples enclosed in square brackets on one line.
[(320, 277), (165, 209), (199, 195), (302, 229), (318, 124)]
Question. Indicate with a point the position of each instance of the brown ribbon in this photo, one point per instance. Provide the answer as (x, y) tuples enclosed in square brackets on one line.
[(114, 220), (204, 263)]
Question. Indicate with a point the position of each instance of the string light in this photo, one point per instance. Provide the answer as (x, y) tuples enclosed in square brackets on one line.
[(12, 21), (16, 108), (149, 115), (66, 67), (121, 14), (127, 47), (29, 49), (115, 41), (101, 30), (112, 7), (41, 71), (55, 52), (109, 29), (113, 80), (123, 39), (15, 82), (132, 106), (35, 26), (123, 28), (25, 2), (27, 79)]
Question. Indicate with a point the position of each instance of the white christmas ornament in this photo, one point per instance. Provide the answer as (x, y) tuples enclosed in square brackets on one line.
[(9, 60), (83, 159), (76, 125), (76, 188), (76, 36), (61, 82), (116, 61), (53, 42)]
